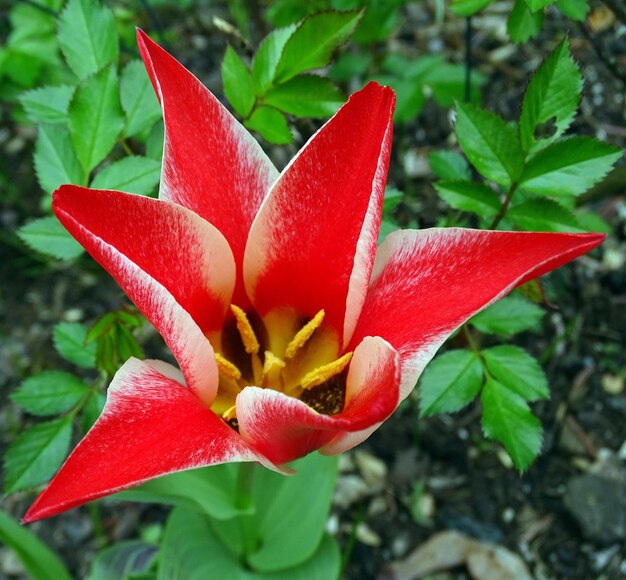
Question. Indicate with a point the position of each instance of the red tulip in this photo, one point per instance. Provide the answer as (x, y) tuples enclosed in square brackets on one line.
[(292, 332)]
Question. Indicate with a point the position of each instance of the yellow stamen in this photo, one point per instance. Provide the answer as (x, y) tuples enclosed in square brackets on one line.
[(301, 337), (249, 339), (272, 367), (230, 413), (226, 368), (322, 374)]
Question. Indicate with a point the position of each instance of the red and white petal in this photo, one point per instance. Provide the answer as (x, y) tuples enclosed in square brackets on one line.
[(427, 283), (176, 267), (211, 164), (283, 428), (150, 426), (313, 242)]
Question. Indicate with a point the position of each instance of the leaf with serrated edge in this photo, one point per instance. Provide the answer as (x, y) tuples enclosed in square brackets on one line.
[(489, 143), (139, 175), (49, 393), (138, 99), (450, 382), (95, 117), (517, 370), (48, 236), (469, 196), (508, 419), (544, 215), (569, 167), (534, 5), (306, 96), (508, 316), (553, 93), (574, 9), (88, 36), (55, 160), (312, 44), (270, 124), (266, 58), (237, 81), (522, 24), (47, 104), (36, 454), (69, 340)]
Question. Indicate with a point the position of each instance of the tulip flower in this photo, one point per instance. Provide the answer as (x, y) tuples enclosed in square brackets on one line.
[(292, 332)]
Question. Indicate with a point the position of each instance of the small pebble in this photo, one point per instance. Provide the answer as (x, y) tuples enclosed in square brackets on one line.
[(613, 384), (508, 515), (367, 536), (373, 470)]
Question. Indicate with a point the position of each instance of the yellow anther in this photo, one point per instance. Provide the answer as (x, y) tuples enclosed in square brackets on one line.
[(249, 339), (272, 367), (226, 368), (301, 337), (324, 373), (230, 413)]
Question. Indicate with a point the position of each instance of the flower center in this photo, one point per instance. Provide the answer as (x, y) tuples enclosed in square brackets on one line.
[(282, 352)]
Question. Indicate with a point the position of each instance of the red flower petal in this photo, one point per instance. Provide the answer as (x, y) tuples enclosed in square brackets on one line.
[(283, 428), (426, 283), (150, 426), (211, 164), (324, 209), (176, 267)]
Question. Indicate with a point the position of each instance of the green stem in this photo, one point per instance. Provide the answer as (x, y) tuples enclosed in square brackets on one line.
[(96, 522), (244, 500), (475, 348), (504, 207)]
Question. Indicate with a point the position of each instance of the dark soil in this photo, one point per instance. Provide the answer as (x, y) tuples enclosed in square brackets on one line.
[(468, 483)]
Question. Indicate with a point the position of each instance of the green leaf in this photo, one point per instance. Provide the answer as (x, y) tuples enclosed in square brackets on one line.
[(95, 117), (238, 85), (306, 96), (47, 104), (534, 5), (270, 124), (523, 24), (69, 340), (126, 560), (450, 382), (552, 95), (508, 316), (569, 166), (212, 490), (49, 393), (48, 236), (36, 454), (55, 160), (489, 143), (469, 196), (39, 561), (88, 36), (544, 215), (447, 83), (136, 174), (154, 141), (92, 410), (312, 44), (592, 222), (138, 99), (192, 550), (574, 9), (289, 519), (449, 165), (517, 370), (468, 7), (507, 418), (266, 58), (410, 97)]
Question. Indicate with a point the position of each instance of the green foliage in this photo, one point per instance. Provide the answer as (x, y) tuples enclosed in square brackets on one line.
[(39, 561), (522, 23), (55, 160), (88, 37), (275, 84), (133, 174), (469, 196), (507, 418), (449, 165), (47, 104), (450, 382), (36, 453), (49, 237), (50, 393), (138, 99), (95, 117), (544, 215), (508, 316), (69, 340), (128, 559)]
